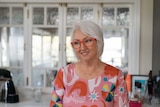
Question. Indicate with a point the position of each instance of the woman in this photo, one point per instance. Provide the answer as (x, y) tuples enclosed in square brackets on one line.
[(89, 82)]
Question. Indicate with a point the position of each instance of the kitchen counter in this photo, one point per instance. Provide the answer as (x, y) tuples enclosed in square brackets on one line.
[(147, 105), (43, 103), (29, 102)]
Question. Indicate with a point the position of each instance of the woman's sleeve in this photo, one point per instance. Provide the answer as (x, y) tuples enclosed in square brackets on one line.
[(58, 91), (121, 94)]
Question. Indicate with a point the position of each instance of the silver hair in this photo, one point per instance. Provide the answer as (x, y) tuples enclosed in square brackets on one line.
[(93, 30)]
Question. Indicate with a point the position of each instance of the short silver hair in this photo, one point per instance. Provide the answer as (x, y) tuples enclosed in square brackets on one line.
[(93, 30)]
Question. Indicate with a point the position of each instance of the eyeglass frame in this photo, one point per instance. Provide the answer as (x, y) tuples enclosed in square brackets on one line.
[(83, 41)]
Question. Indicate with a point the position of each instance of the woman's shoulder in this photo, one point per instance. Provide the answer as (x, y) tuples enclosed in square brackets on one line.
[(111, 70), (68, 69)]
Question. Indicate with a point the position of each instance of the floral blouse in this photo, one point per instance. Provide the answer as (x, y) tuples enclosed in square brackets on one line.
[(107, 90)]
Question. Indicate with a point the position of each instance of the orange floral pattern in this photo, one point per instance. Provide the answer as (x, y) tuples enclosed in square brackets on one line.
[(107, 90)]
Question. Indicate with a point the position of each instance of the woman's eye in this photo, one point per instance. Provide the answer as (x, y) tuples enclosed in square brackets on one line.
[(76, 43), (88, 40)]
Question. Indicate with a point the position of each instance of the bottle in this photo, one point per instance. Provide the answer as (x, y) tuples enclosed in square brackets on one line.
[(150, 84), (38, 92)]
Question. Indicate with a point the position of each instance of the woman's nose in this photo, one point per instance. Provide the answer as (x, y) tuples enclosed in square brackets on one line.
[(83, 45)]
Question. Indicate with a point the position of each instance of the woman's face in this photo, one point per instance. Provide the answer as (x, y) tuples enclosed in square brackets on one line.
[(85, 47)]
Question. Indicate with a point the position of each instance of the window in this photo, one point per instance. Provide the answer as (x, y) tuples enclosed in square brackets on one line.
[(116, 20), (35, 38), (12, 40), (45, 37)]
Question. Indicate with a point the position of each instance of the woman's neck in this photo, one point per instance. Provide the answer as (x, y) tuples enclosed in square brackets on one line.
[(89, 70), (89, 64)]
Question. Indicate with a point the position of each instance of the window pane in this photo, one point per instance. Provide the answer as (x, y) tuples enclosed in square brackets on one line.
[(87, 13), (17, 15), (55, 49), (45, 54), (116, 47), (69, 52), (4, 42), (4, 15), (72, 15), (108, 16), (16, 46), (18, 77), (52, 16), (50, 76), (45, 47), (38, 15), (38, 77), (123, 16), (12, 42)]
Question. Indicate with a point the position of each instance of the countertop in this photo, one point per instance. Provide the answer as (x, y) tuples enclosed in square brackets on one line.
[(45, 98), (29, 102)]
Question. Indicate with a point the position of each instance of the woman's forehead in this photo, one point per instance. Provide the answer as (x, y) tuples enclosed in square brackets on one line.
[(78, 34)]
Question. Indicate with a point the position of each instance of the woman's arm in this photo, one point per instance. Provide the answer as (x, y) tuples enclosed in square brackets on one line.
[(121, 94), (58, 91)]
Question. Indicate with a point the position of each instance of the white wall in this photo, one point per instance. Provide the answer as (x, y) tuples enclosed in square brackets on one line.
[(146, 29)]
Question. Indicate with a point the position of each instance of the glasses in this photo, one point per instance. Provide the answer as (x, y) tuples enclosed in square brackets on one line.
[(87, 42)]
